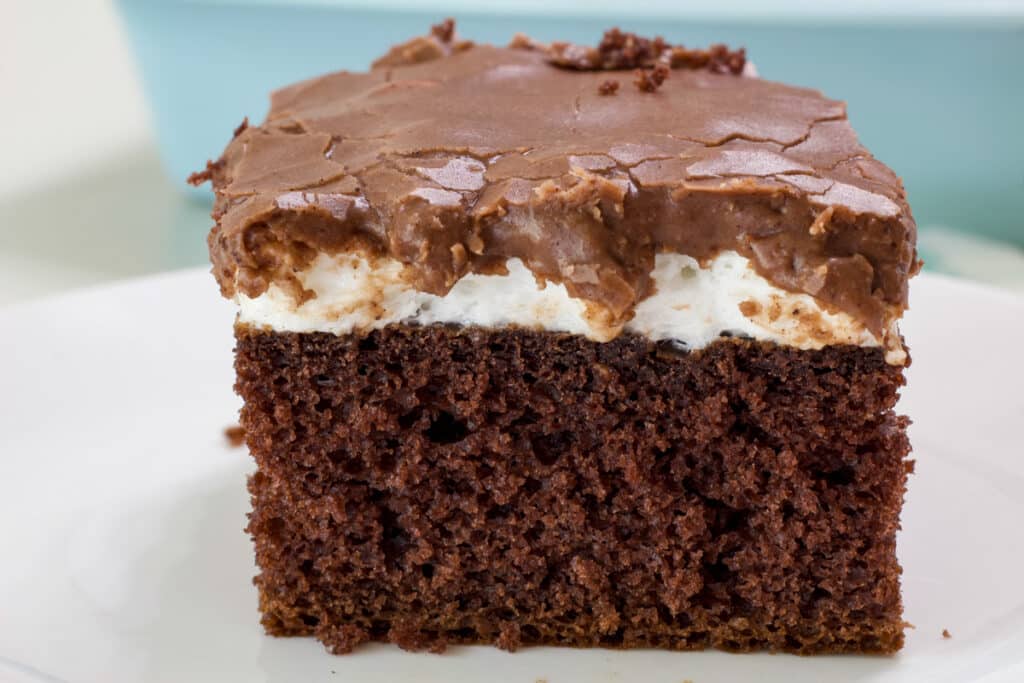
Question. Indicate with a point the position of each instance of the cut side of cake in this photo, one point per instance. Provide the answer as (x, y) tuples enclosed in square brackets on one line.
[(549, 344)]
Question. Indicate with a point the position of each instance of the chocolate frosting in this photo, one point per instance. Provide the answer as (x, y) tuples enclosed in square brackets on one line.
[(453, 157)]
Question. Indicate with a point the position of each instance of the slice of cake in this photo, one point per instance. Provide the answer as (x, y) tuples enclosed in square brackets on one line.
[(550, 344)]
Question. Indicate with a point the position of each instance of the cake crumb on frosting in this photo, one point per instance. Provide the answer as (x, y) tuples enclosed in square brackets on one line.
[(444, 31), (620, 50), (649, 80)]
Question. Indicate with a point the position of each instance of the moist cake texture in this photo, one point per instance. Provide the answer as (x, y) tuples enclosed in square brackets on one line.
[(430, 486), (552, 344)]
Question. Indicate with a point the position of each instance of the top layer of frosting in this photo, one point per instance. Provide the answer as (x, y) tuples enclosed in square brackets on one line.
[(452, 158)]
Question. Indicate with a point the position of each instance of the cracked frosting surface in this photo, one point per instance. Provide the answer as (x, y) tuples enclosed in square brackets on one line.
[(452, 158)]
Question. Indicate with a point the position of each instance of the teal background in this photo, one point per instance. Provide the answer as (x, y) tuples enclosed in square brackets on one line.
[(939, 99)]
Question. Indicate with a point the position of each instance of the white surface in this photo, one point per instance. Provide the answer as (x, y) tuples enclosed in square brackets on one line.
[(121, 510), (118, 219), (955, 252), (71, 97), (691, 305)]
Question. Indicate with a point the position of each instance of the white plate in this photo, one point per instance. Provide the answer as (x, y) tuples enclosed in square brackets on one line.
[(122, 556)]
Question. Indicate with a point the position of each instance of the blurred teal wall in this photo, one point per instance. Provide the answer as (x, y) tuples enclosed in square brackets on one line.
[(938, 99)]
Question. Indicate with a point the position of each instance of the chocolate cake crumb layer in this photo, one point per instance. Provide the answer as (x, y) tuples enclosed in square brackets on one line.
[(452, 158), (434, 485)]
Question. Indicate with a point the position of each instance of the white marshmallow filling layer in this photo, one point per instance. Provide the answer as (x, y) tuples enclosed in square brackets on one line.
[(692, 306)]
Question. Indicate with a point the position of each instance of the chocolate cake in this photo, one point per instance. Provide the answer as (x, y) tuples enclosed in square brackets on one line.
[(556, 344)]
